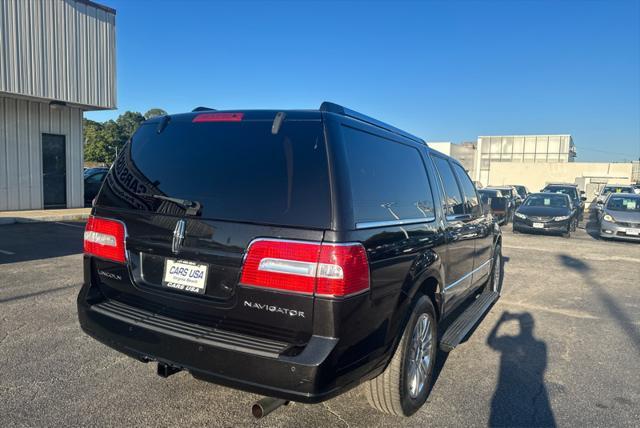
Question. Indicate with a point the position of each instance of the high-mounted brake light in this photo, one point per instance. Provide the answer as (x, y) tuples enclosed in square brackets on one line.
[(218, 117), (104, 238), (326, 269)]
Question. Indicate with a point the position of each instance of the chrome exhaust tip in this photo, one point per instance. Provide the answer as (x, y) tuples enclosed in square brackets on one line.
[(266, 405)]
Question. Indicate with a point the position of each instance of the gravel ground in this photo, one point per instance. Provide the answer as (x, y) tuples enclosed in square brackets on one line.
[(561, 347)]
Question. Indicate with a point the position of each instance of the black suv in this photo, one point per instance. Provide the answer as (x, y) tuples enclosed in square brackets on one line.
[(295, 254), (572, 191)]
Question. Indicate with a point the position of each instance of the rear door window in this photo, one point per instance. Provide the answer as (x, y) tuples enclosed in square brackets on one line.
[(454, 204), (469, 190), (238, 171), (388, 179)]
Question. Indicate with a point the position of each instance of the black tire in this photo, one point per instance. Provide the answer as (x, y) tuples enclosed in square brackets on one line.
[(515, 230), (390, 392), (567, 234), (494, 283)]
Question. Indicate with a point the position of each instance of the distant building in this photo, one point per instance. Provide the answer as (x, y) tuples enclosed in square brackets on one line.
[(521, 149), (465, 153), (57, 61), (534, 161)]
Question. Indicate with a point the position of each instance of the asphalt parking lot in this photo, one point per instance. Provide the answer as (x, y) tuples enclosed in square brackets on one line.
[(561, 347)]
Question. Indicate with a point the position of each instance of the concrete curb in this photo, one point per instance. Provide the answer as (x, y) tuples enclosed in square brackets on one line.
[(40, 219)]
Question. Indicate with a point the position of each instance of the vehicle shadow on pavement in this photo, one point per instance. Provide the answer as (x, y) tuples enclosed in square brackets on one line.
[(610, 304), (521, 397), (22, 242)]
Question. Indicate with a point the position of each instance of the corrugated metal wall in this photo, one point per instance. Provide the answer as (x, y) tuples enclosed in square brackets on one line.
[(22, 124), (59, 50)]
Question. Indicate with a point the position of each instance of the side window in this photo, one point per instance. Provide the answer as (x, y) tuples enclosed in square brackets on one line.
[(388, 179), (473, 207), (454, 201)]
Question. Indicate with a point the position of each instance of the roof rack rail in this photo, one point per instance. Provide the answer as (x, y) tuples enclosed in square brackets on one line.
[(200, 108), (344, 111)]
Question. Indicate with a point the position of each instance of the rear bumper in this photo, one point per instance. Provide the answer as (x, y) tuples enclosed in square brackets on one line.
[(230, 360)]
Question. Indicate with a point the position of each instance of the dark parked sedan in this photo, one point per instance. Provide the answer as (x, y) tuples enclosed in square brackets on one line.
[(546, 212), (93, 178), (577, 198)]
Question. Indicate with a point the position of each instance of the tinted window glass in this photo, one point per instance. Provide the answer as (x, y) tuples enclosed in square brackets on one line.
[(473, 207), (620, 203), (616, 189), (453, 196), (238, 171), (550, 200), (388, 179), (571, 191)]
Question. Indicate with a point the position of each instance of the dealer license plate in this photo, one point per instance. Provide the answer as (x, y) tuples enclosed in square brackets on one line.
[(538, 225), (185, 275), (634, 232)]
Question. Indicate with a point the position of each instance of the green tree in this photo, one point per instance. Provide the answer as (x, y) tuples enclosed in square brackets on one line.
[(128, 122), (154, 112), (103, 140), (95, 143)]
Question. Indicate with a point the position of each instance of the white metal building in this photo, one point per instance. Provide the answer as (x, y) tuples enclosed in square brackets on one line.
[(521, 149), (57, 60)]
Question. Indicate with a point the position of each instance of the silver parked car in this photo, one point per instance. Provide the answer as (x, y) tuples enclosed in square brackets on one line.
[(620, 217), (601, 196)]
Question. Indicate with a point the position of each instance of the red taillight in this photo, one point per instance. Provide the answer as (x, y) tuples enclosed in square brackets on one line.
[(218, 117), (104, 238), (343, 269), (335, 270)]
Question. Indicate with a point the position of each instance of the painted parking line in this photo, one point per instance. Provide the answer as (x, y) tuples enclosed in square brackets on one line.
[(8, 253)]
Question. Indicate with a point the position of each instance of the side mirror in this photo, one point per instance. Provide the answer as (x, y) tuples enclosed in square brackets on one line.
[(599, 202), (583, 198)]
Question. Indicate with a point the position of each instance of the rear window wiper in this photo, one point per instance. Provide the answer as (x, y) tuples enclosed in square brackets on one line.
[(191, 207)]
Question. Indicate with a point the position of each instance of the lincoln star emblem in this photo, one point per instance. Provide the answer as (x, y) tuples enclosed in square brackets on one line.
[(178, 236)]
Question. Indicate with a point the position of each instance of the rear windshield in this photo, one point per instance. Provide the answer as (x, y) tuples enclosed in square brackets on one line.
[(618, 189), (620, 203), (237, 171), (550, 200), (571, 191)]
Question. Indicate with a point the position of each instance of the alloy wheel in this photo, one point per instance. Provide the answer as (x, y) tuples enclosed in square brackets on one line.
[(420, 356), (497, 273)]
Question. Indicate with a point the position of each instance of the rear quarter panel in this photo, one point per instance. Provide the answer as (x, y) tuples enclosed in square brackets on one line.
[(401, 259)]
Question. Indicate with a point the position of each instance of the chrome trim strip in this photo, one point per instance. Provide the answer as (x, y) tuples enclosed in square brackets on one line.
[(372, 224), (467, 275), (289, 267)]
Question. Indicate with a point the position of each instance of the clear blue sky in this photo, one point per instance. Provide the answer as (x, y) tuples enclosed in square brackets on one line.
[(446, 71)]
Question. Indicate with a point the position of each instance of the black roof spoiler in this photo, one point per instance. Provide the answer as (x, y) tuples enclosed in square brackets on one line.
[(338, 109)]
